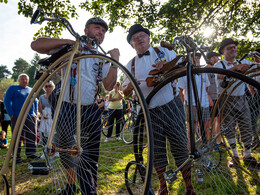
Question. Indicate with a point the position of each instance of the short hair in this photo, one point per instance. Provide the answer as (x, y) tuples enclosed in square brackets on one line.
[(53, 85), (2, 133), (23, 74)]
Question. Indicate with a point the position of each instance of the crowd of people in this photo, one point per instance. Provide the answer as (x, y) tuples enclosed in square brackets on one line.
[(169, 103)]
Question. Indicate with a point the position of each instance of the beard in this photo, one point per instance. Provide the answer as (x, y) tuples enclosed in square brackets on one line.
[(94, 38)]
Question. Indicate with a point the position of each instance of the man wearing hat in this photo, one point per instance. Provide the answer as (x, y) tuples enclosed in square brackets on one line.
[(87, 170), (236, 104), (213, 58), (167, 118)]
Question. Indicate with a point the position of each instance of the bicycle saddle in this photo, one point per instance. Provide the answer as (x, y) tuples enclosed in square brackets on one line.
[(49, 60)]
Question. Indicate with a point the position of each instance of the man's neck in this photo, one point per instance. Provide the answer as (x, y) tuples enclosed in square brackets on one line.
[(23, 86), (141, 51)]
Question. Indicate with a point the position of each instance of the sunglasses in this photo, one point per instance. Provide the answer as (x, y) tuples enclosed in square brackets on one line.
[(46, 86)]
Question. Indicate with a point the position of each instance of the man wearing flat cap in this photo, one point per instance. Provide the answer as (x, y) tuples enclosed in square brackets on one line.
[(91, 71), (164, 110), (236, 104)]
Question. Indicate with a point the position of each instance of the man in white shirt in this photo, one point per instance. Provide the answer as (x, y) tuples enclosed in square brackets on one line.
[(86, 166), (167, 120), (236, 109)]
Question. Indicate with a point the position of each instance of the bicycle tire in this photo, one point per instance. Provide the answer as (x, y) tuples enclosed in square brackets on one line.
[(113, 156), (5, 184), (127, 132), (132, 177), (219, 178)]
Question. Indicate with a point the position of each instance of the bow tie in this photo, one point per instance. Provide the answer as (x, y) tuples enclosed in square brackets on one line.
[(147, 53), (234, 63)]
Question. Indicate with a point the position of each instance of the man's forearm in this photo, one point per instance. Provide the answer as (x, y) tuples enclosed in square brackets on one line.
[(44, 44)]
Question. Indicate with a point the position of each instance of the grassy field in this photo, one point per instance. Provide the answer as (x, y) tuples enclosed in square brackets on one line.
[(223, 180)]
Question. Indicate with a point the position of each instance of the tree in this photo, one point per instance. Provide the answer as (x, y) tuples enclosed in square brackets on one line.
[(31, 70), (20, 66), (4, 72), (167, 19), (4, 84)]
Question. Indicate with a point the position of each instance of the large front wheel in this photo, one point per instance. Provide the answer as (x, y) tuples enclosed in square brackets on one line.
[(231, 116), (78, 159)]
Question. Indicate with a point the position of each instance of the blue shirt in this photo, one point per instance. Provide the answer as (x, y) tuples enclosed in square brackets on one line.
[(4, 141), (14, 99)]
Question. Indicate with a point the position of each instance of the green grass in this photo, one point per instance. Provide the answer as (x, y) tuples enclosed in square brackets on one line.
[(114, 170)]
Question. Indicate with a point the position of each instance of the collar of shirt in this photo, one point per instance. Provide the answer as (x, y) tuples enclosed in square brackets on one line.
[(235, 62), (147, 53)]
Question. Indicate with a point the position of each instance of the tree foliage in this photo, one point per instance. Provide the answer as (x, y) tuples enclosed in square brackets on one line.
[(62, 8), (4, 84), (20, 66), (4, 72), (238, 19)]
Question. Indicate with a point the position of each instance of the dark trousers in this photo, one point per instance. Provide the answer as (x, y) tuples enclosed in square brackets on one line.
[(29, 135), (168, 121), (5, 125), (87, 162), (112, 115)]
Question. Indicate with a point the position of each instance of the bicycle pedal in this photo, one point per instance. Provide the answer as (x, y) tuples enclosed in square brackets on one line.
[(39, 168), (170, 176)]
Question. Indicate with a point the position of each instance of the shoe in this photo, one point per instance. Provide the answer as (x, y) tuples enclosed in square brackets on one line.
[(69, 190), (251, 161), (33, 157), (234, 162), (106, 140), (19, 161), (118, 138)]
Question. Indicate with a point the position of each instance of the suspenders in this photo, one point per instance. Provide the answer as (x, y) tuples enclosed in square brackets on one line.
[(160, 55)]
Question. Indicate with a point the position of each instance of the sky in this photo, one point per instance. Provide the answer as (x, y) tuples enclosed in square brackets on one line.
[(16, 35)]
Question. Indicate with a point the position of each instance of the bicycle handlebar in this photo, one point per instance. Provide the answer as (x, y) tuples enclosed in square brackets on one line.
[(255, 53), (91, 41), (190, 46)]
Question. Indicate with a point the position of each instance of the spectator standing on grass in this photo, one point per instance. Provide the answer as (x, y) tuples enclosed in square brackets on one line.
[(5, 118), (115, 111), (15, 97)]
